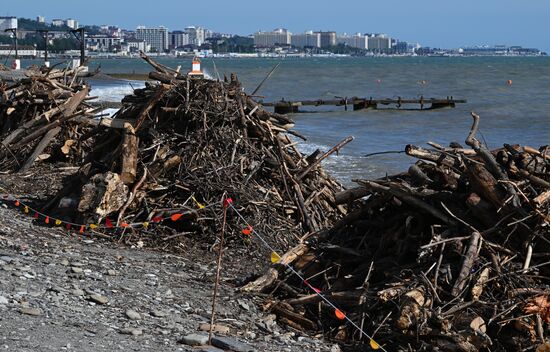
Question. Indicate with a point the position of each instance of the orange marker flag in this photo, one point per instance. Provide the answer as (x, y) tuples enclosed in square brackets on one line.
[(339, 314), (17, 203), (247, 231), (175, 217), (82, 229), (374, 345), (124, 224)]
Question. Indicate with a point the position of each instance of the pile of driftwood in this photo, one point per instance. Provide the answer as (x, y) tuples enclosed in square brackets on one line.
[(182, 143), (452, 255), (42, 117)]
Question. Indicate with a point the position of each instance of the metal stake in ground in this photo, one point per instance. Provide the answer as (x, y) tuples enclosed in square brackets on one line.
[(226, 203)]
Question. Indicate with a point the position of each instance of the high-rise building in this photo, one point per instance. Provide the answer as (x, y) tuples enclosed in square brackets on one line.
[(379, 42), (57, 22), (355, 41), (328, 39), (308, 39), (156, 37), (40, 19), (197, 35), (7, 23), (71, 23), (178, 38), (279, 36)]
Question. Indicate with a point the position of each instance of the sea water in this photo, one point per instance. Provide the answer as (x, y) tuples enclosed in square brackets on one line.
[(510, 113)]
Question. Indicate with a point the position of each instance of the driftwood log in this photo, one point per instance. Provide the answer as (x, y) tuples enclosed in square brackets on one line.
[(452, 255)]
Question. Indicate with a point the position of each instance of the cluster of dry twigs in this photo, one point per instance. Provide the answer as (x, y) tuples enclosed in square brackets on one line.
[(452, 255), (42, 117), (182, 142)]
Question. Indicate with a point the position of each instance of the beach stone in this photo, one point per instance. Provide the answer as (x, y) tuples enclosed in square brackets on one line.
[(132, 331), (218, 328), (4, 300), (76, 269), (195, 339), (158, 313), (229, 343), (31, 311), (132, 314), (100, 299), (77, 292), (208, 349)]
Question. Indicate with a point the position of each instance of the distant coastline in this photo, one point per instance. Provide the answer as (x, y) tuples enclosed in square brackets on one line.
[(272, 56)]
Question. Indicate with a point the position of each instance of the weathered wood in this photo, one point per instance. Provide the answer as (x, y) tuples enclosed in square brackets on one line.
[(351, 194), (332, 150), (129, 156), (481, 209), (40, 148), (484, 184), (430, 155), (467, 264)]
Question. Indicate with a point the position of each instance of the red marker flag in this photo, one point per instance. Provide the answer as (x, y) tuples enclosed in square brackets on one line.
[(247, 231), (17, 203), (311, 287), (157, 219), (227, 202), (108, 223), (339, 314), (175, 217), (68, 226), (36, 215), (124, 224), (47, 220)]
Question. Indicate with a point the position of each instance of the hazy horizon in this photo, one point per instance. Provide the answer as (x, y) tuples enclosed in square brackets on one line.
[(468, 23)]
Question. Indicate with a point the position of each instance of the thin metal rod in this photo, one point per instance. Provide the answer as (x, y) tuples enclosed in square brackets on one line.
[(265, 79), (218, 270)]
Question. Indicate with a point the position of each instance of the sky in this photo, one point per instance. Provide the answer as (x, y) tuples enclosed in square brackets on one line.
[(434, 23)]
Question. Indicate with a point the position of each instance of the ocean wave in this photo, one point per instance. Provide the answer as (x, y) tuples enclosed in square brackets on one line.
[(115, 92)]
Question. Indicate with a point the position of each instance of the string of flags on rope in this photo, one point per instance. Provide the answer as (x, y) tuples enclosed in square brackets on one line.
[(276, 258), (227, 203), (108, 223)]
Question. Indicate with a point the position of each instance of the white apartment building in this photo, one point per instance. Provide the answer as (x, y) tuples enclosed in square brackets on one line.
[(156, 37), (355, 41), (178, 39), (102, 42), (279, 36), (58, 22), (308, 39), (7, 23), (196, 35), (71, 23), (378, 42), (22, 51)]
